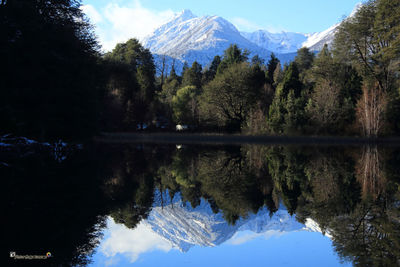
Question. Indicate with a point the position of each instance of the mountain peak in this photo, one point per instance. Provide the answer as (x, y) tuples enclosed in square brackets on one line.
[(191, 38), (186, 14)]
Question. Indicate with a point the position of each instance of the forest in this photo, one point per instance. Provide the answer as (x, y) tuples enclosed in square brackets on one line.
[(56, 82)]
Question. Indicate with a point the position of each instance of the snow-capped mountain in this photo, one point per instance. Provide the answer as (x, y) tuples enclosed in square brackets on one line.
[(189, 38), (184, 227), (279, 43), (290, 42)]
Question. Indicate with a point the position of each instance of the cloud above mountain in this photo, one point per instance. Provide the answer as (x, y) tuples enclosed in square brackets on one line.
[(116, 23)]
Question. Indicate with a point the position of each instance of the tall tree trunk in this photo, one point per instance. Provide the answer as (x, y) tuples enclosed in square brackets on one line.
[(371, 110)]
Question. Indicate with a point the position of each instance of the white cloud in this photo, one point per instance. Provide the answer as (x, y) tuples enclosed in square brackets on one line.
[(118, 23), (92, 13), (131, 242)]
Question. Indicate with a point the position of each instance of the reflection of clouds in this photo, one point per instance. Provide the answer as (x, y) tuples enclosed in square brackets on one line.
[(130, 242), (246, 236)]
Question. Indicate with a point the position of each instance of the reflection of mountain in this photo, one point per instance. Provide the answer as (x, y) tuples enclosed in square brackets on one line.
[(184, 226)]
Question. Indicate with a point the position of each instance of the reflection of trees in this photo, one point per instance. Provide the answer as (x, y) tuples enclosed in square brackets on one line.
[(130, 182), (351, 195), (333, 187), (323, 184), (286, 167), (369, 235), (179, 175), (257, 162), (227, 179), (369, 172), (222, 177)]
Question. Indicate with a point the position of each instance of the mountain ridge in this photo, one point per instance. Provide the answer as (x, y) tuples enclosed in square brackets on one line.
[(188, 38)]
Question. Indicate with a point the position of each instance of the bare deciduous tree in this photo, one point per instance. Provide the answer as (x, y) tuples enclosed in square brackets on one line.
[(371, 109)]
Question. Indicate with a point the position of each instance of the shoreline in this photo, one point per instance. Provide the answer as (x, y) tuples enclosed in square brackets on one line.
[(232, 139)]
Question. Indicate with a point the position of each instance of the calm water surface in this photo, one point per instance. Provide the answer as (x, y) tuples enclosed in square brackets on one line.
[(172, 205)]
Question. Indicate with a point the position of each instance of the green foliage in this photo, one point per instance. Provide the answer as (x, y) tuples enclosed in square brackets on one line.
[(278, 74), (256, 60), (294, 115), (328, 69), (304, 60), (370, 41), (228, 99), (185, 67), (185, 105), (139, 62), (192, 76), (210, 72), (336, 90), (165, 96), (276, 118), (327, 111), (272, 66), (286, 113), (232, 55), (291, 81)]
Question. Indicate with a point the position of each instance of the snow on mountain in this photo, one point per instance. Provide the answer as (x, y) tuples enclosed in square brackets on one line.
[(189, 38), (184, 227), (279, 43), (316, 41), (290, 42)]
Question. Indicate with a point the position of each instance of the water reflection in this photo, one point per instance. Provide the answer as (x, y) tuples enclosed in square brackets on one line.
[(164, 198)]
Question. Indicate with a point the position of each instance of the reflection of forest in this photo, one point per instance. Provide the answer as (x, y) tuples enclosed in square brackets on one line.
[(353, 194)]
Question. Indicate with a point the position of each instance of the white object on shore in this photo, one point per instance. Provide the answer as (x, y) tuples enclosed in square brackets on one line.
[(181, 127)]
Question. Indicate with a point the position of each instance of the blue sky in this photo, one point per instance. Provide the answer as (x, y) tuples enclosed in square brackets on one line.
[(119, 20)]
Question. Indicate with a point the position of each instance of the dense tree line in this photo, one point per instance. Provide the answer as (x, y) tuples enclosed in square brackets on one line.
[(55, 82), (351, 88)]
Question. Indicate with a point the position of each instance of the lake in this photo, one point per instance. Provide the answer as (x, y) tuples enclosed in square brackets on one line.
[(136, 204)]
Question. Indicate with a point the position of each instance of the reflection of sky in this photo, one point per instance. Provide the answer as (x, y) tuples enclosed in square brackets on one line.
[(143, 247)]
